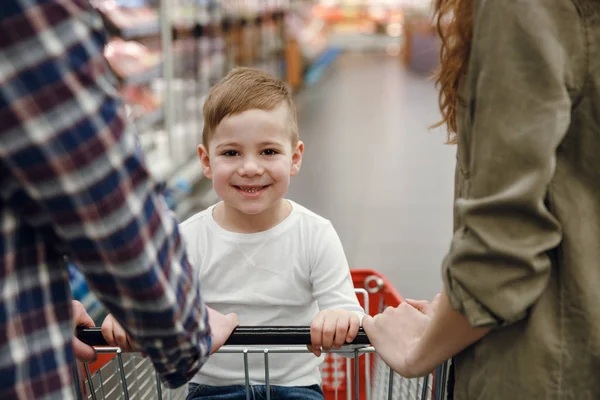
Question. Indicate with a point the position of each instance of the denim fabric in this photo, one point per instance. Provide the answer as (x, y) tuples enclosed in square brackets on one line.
[(258, 392)]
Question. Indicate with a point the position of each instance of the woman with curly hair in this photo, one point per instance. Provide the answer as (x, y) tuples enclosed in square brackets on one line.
[(520, 309)]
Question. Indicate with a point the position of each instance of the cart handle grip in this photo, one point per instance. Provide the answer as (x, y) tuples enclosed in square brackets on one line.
[(242, 336)]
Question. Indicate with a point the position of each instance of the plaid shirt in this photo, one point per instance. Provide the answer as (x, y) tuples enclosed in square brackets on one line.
[(72, 183)]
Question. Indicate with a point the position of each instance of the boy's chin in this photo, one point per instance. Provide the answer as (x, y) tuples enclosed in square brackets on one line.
[(252, 208)]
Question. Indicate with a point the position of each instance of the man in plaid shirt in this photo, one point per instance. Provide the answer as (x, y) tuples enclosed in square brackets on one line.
[(72, 183)]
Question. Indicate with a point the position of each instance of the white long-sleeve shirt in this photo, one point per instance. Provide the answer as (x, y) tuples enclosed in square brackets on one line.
[(282, 276)]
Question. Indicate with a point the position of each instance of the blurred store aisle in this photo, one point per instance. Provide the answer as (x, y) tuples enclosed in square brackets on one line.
[(375, 171)]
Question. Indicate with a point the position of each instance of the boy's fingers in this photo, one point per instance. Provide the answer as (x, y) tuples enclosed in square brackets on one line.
[(316, 332), (353, 330), (233, 319), (315, 351), (341, 332), (329, 330)]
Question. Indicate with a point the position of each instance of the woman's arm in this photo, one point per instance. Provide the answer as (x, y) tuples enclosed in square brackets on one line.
[(413, 344), (526, 63)]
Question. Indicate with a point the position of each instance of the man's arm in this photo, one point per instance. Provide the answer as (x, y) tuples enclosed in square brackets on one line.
[(66, 147)]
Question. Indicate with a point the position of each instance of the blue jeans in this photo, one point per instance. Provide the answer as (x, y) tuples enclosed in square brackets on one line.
[(257, 392)]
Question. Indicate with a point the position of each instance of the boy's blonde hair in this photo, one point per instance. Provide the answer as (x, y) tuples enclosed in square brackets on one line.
[(246, 89)]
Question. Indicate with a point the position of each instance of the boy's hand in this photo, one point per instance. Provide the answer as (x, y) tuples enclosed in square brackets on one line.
[(331, 329), (115, 335), (221, 327)]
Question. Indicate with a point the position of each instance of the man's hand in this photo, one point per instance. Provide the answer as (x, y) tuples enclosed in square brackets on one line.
[(331, 329), (115, 335), (83, 352), (221, 327)]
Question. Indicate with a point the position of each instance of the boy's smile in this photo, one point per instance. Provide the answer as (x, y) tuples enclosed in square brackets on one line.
[(251, 191)]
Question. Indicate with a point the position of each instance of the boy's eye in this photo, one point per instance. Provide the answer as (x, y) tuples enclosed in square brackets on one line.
[(269, 152), (230, 153)]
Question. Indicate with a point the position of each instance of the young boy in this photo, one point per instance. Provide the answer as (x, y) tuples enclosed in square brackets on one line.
[(268, 259)]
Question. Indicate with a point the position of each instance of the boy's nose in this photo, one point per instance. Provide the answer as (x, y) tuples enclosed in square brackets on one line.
[(251, 168)]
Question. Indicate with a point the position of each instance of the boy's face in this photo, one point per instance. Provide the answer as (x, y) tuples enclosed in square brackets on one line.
[(250, 159)]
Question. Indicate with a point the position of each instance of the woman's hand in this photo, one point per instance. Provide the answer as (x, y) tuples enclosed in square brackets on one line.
[(424, 306), (395, 334)]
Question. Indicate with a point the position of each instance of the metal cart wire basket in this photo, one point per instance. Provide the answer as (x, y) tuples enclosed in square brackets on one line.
[(353, 372)]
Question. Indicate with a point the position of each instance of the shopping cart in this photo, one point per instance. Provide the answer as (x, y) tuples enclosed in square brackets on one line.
[(353, 372)]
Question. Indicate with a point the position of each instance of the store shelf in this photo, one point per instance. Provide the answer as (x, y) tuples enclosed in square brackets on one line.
[(272, 14), (226, 23), (145, 30), (165, 170), (190, 172), (208, 198), (186, 208), (182, 183), (129, 22), (150, 119), (143, 77), (140, 31), (159, 165)]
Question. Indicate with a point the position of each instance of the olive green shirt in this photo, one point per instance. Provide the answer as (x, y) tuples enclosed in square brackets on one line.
[(525, 256)]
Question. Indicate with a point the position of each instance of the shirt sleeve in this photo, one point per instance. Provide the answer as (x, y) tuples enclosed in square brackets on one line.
[(72, 160), (520, 105), (330, 274)]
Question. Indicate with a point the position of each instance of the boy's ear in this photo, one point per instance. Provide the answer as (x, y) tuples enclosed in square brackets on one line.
[(205, 161), (297, 158)]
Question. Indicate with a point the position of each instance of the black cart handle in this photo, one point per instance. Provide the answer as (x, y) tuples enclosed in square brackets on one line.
[(242, 336)]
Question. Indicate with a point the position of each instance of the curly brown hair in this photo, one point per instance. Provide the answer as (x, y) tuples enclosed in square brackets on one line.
[(454, 20)]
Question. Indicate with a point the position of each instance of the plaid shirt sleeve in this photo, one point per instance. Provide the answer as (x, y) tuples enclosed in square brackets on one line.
[(72, 181)]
